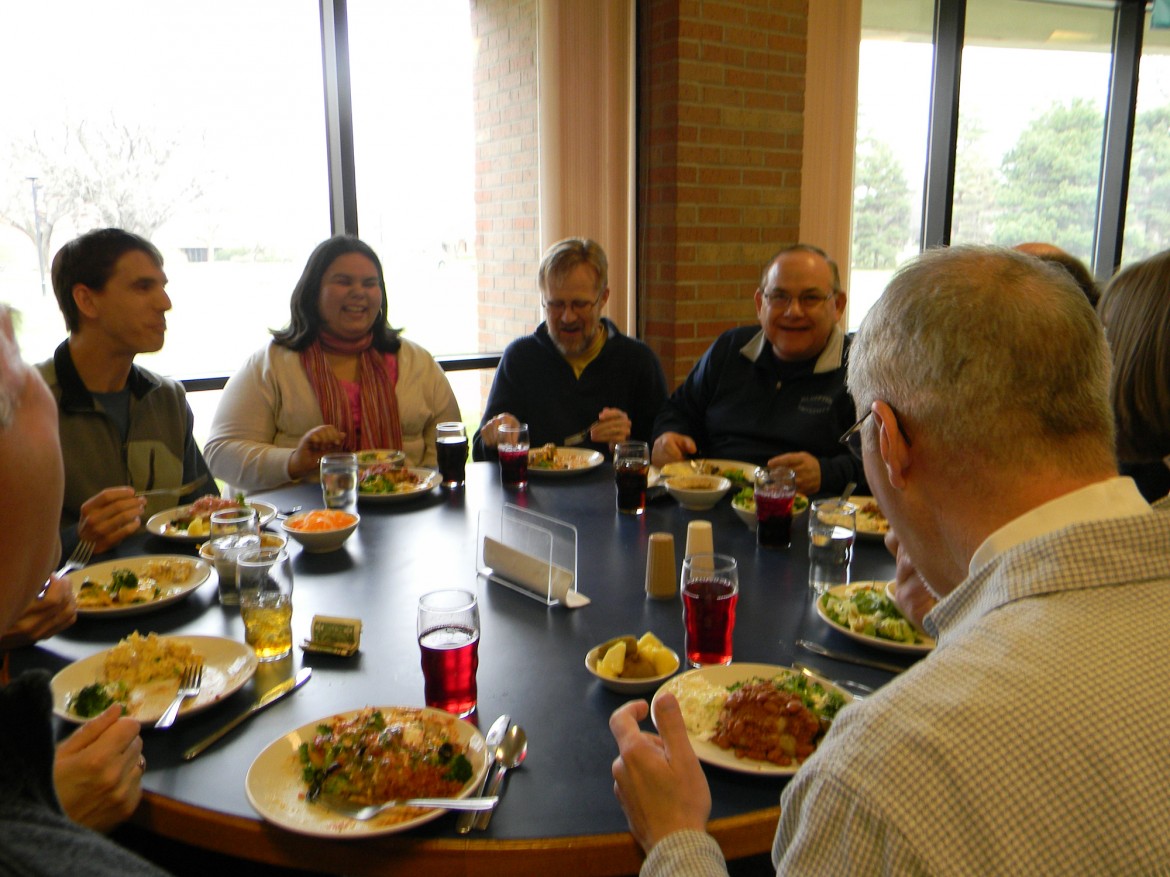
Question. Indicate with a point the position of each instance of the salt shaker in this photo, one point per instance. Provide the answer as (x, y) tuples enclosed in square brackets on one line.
[(661, 574)]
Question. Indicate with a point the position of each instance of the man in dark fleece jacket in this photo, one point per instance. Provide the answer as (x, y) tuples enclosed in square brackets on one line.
[(576, 369), (773, 394)]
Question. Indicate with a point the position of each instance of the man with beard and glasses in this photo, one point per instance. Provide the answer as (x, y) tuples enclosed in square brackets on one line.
[(576, 370)]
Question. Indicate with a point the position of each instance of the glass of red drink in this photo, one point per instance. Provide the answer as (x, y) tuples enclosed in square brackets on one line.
[(631, 468), (775, 492), (512, 449), (451, 449), (710, 592), (448, 638)]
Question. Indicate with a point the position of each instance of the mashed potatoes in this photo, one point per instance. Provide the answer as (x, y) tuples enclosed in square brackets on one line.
[(700, 702)]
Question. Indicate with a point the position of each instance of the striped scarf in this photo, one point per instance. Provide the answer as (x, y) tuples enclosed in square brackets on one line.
[(380, 426)]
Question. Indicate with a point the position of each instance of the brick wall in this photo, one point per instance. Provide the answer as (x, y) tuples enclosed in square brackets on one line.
[(721, 100), (507, 239)]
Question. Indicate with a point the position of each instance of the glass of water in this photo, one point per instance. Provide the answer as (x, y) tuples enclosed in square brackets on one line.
[(339, 477), (832, 528), (232, 530)]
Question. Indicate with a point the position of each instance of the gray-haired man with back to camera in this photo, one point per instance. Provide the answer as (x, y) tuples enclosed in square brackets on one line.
[(1029, 741), (36, 837)]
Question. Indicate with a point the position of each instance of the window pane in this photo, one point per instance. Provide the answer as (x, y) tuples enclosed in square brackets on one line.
[(199, 126), (890, 158), (414, 147), (1035, 81), (1147, 220)]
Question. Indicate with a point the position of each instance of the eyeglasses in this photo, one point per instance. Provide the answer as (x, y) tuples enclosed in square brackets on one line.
[(808, 301), (579, 306), (852, 436)]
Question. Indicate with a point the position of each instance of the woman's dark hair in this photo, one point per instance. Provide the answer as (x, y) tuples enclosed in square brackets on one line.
[(1135, 308), (305, 319)]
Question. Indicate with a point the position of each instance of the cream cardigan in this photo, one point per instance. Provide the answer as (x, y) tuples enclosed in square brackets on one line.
[(269, 404)]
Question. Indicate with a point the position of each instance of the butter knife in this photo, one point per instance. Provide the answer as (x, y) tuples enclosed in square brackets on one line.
[(495, 736), (818, 649), (271, 696)]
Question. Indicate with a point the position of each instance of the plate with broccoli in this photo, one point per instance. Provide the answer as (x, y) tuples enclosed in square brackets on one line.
[(864, 611), (133, 585)]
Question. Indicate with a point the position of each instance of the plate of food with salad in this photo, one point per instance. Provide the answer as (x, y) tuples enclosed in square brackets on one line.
[(142, 674), (550, 461), (422, 752), (133, 585), (389, 482), (867, 613), (739, 473), (871, 523), (192, 523), (755, 718)]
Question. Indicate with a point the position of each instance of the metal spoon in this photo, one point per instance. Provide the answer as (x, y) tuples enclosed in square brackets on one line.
[(509, 754), (848, 491)]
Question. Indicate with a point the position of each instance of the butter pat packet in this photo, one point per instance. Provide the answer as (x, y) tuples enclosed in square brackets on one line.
[(334, 635)]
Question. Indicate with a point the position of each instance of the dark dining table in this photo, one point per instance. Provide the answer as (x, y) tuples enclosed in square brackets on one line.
[(558, 811)]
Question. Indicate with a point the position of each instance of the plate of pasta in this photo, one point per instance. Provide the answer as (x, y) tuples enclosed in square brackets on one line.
[(420, 752), (142, 674), (766, 740), (192, 523), (550, 461), (133, 585)]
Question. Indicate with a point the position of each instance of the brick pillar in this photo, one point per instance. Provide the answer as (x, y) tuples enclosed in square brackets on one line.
[(721, 100), (507, 240)]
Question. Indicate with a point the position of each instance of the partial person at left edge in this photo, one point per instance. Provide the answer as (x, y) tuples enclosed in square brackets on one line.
[(123, 428)]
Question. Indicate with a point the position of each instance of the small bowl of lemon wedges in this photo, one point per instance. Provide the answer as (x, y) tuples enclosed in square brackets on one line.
[(632, 665)]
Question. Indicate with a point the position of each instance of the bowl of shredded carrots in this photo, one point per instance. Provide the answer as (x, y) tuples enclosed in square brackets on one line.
[(321, 530)]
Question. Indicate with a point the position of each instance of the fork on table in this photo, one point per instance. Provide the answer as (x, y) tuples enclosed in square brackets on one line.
[(189, 684), (579, 438), (78, 559)]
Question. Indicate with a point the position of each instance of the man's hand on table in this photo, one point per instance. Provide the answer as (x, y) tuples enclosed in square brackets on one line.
[(806, 467), (613, 426), (671, 447), (110, 516), (489, 433), (98, 771), (658, 779), (43, 618), (911, 593)]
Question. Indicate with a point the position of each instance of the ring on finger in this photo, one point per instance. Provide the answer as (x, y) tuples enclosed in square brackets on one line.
[(142, 763)]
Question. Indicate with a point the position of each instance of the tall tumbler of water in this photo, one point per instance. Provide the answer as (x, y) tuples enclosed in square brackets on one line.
[(339, 481), (231, 531), (451, 450), (832, 528), (448, 640)]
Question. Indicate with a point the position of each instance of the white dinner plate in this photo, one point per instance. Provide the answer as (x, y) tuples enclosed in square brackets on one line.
[(159, 524), (428, 480), (889, 645), (276, 789), (871, 525), (171, 593), (228, 664), (584, 460), (729, 674)]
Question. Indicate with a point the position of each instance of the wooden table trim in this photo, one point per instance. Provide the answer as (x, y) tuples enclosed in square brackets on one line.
[(603, 855)]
